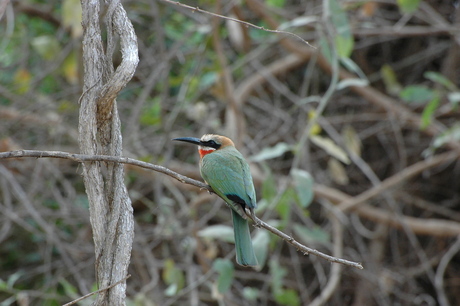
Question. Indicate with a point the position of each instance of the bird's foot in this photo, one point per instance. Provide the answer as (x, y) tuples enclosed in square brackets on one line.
[(250, 213), (208, 188)]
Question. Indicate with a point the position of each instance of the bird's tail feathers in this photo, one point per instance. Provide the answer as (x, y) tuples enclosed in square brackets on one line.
[(244, 251)]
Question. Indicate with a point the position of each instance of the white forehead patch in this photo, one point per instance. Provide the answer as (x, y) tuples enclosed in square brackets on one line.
[(207, 137)]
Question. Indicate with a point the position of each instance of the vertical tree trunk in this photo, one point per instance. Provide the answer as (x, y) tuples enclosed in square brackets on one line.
[(99, 133)]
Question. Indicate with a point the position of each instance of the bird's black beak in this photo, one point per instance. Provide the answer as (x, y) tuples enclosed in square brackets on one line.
[(193, 140)]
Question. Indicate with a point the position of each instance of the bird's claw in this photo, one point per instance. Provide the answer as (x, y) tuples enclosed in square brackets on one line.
[(208, 188), (250, 213)]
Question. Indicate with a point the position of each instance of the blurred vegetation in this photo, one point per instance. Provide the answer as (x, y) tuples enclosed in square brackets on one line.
[(380, 93)]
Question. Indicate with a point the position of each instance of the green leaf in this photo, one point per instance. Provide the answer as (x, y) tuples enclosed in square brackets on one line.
[(71, 17), (288, 297), (250, 293), (390, 80), (440, 79), (22, 81), (344, 41), (428, 112), (313, 117), (208, 79), (172, 276), (454, 98), (298, 22), (352, 82), (408, 6), (331, 148), (351, 66), (303, 182), (281, 295), (283, 207), (268, 185), (69, 68), (13, 278), (337, 171), (3, 285), (276, 3), (171, 290), (152, 114), (452, 134), (417, 94), (263, 205), (325, 48), (260, 243), (9, 301), (46, 46), (277, 274), (344, 45), (272, 152), (351, 140), (219, 231), (307, 235), (225, 269), (168, 272), (69, 289)]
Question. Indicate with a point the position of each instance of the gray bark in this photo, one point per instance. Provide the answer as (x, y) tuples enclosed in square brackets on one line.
[(99, 133)]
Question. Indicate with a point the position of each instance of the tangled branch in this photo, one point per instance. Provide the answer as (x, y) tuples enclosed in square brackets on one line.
[(82, 158)]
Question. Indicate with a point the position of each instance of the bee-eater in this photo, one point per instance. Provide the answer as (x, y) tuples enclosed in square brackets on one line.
[(224, 169)]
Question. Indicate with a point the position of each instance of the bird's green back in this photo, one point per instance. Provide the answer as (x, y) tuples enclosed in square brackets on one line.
[(228, 173)]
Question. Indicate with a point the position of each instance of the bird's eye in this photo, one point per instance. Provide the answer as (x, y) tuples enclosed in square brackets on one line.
[(213, 144)]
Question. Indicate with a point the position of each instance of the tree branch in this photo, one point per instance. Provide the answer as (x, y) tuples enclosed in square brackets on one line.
[(300, 247), (247, 24), (117, 21), (81, 158), (96, 292), (398, 178)]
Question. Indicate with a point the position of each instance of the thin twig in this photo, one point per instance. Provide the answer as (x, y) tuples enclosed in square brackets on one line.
[(300, 247), (98, 291), (439, 279), (336, 270), (125, 160), (248, 24), (420, 226), (396, 179)]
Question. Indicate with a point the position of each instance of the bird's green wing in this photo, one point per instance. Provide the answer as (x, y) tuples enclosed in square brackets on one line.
[(229, 176)]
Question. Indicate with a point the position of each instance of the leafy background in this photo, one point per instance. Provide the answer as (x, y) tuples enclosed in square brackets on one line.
[(313, 137)]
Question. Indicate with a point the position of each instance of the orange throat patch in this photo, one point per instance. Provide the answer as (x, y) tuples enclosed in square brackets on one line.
[(204, 151)]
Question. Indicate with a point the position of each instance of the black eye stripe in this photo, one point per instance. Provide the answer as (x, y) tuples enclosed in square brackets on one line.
[(211, 143)]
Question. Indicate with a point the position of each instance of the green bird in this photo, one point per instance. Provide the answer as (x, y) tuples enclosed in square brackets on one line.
[(224, 169)]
